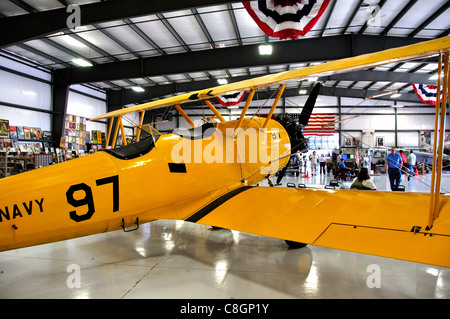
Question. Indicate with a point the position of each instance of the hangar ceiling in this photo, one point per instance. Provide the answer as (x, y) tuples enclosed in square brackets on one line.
[(171, 47)]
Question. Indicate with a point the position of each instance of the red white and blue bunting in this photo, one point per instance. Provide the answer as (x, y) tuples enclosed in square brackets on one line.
[(286, 18), (426, 93), (231, 99)]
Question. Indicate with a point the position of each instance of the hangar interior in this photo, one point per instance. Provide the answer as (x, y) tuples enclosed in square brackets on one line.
[(125, 53)]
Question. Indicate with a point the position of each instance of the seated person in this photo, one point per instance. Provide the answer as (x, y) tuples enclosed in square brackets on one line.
[(341, 168), (363, 182)]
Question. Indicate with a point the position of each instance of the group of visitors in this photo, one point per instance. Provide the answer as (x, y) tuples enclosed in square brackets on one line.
[(396, 163)]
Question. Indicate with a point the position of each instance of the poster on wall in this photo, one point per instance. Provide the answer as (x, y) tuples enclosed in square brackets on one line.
[(4, 128), (74, 138), (348, 142), (380, 141), (425, 139)]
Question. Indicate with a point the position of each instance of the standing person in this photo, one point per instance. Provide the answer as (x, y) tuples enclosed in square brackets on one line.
[(300, 165), (313, 159), (411, 162), (339, 157), (393, 166), (336, 165), (404, 162), (322, 163)]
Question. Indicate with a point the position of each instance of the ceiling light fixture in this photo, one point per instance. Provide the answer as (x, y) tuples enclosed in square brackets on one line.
[(138, 89), (222, 81), (265, 49), (81, 62), (302, 92), (396, 95)]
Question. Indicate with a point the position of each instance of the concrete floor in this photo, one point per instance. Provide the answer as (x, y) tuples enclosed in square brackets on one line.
[(176, 259)]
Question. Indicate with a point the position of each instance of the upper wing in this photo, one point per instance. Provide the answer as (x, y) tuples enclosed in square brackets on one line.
[(419, 50), (388, 224)]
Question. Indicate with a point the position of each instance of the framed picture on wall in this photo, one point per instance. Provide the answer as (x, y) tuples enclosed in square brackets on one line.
[(348, 142), (4, 128), (380, 141)]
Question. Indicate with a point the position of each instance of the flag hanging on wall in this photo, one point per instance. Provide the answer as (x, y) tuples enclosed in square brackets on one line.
[(426, 93), (231, 99), (286, 18), (320, 124)]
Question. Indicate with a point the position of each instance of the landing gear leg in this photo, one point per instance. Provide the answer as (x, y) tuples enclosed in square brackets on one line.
[(294, 244)]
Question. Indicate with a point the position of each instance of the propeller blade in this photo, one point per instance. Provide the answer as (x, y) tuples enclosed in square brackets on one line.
[(309, 105)]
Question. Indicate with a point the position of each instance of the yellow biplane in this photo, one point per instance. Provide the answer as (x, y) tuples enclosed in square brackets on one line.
[(207, 175)]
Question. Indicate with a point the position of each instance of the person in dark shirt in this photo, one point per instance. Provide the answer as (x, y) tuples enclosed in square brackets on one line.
[(363, 181)]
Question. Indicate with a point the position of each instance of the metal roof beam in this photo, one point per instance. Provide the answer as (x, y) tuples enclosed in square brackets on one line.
[(204, 28), (286, 52), (125, 96), (355, 11), (397, 18), (39, 24), (235, 25), (440, 11), (144, 36), (173, 32)]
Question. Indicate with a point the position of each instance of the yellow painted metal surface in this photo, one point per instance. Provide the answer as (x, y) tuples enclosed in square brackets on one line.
[(378, 223), (94, 193), (200, 180)]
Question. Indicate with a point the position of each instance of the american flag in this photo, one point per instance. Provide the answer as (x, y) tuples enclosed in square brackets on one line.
[(320, 124)]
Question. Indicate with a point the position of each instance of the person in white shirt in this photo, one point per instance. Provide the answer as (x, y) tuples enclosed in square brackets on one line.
[(322, 163), (313, 159), (411, 163)]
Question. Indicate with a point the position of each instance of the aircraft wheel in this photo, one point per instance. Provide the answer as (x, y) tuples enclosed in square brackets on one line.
[(294, 244)]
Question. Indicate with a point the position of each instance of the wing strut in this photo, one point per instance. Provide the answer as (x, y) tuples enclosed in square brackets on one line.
[(108, 136), (245, 109), (274, 105), (119, 124), (138, 131), (184, 115), (219, 116), (438, 148)]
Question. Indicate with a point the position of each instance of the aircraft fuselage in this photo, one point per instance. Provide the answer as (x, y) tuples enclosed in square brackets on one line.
[(101, 192)]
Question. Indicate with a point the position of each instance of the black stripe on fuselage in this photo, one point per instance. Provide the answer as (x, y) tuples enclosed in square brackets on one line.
[(216, 203)]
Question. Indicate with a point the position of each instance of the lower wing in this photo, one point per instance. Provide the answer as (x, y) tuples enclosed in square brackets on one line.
[(387, 224)]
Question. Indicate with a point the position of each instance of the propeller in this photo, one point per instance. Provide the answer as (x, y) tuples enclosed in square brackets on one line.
[(309, 105), (294, 129)]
